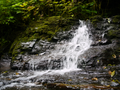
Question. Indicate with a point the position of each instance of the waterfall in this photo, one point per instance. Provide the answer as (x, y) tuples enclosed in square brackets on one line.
[(67, 55), (70, 50)]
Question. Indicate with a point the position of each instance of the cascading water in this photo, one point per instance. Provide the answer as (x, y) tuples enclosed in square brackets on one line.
[(69, 51)]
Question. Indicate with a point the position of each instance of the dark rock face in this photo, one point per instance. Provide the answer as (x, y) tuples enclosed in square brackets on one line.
[(41, 46), (65, 35), (105, 47), (53, 65), (5, 61)]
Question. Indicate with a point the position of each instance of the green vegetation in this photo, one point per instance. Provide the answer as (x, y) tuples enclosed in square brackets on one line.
[(25, 10)]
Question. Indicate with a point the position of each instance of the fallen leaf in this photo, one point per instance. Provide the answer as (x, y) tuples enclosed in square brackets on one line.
[(104, 67), (114, 56), (112, 73), (69, 80), (99, 40), (17, 73), (86, 78), (108, 85), (98, 61), (109, 72), (5, 72), (94, 79)]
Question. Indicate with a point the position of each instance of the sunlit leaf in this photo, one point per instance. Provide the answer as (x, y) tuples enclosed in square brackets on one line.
[(17, 73), (99, 40), (94, 79), (5, 72), (104, 67), (98, 61), (108, 85), (112, 73), (114, 56)]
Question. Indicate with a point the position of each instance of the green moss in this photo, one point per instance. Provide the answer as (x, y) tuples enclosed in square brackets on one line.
[(44, 29), (96, 19), (113, 34), (116, 19), (34, 36)]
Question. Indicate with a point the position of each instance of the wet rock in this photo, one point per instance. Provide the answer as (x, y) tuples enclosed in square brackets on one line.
[(42, 46), (42, 65), (49, 64), (97, 22), (114, 84), (5, 61), (27, 45), (1, 83), (56, 64), (96, 18), (65, 35), (116, 19), (113, 34), (17, 65)]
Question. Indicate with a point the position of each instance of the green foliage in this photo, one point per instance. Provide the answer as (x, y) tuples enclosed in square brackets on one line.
[(25, 10), (3, 41)]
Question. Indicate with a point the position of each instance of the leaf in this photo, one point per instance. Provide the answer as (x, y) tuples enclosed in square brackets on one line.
[(17, 73), (72, 9), (112, 73), (104, 67), (98, 61), (5, 72), (114, 56), (92, 3), (99, 40), (69, 80), (94, 79), (108, 85), (11, 17), (19, 12)]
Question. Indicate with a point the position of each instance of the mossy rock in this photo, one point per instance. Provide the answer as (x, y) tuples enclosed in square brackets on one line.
[(116, 19), (96, 18), (111, 56), (47, 28), (113, 34), (44, 29)]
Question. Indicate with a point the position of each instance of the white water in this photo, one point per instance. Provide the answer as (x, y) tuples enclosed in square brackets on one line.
[(69, 50)]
